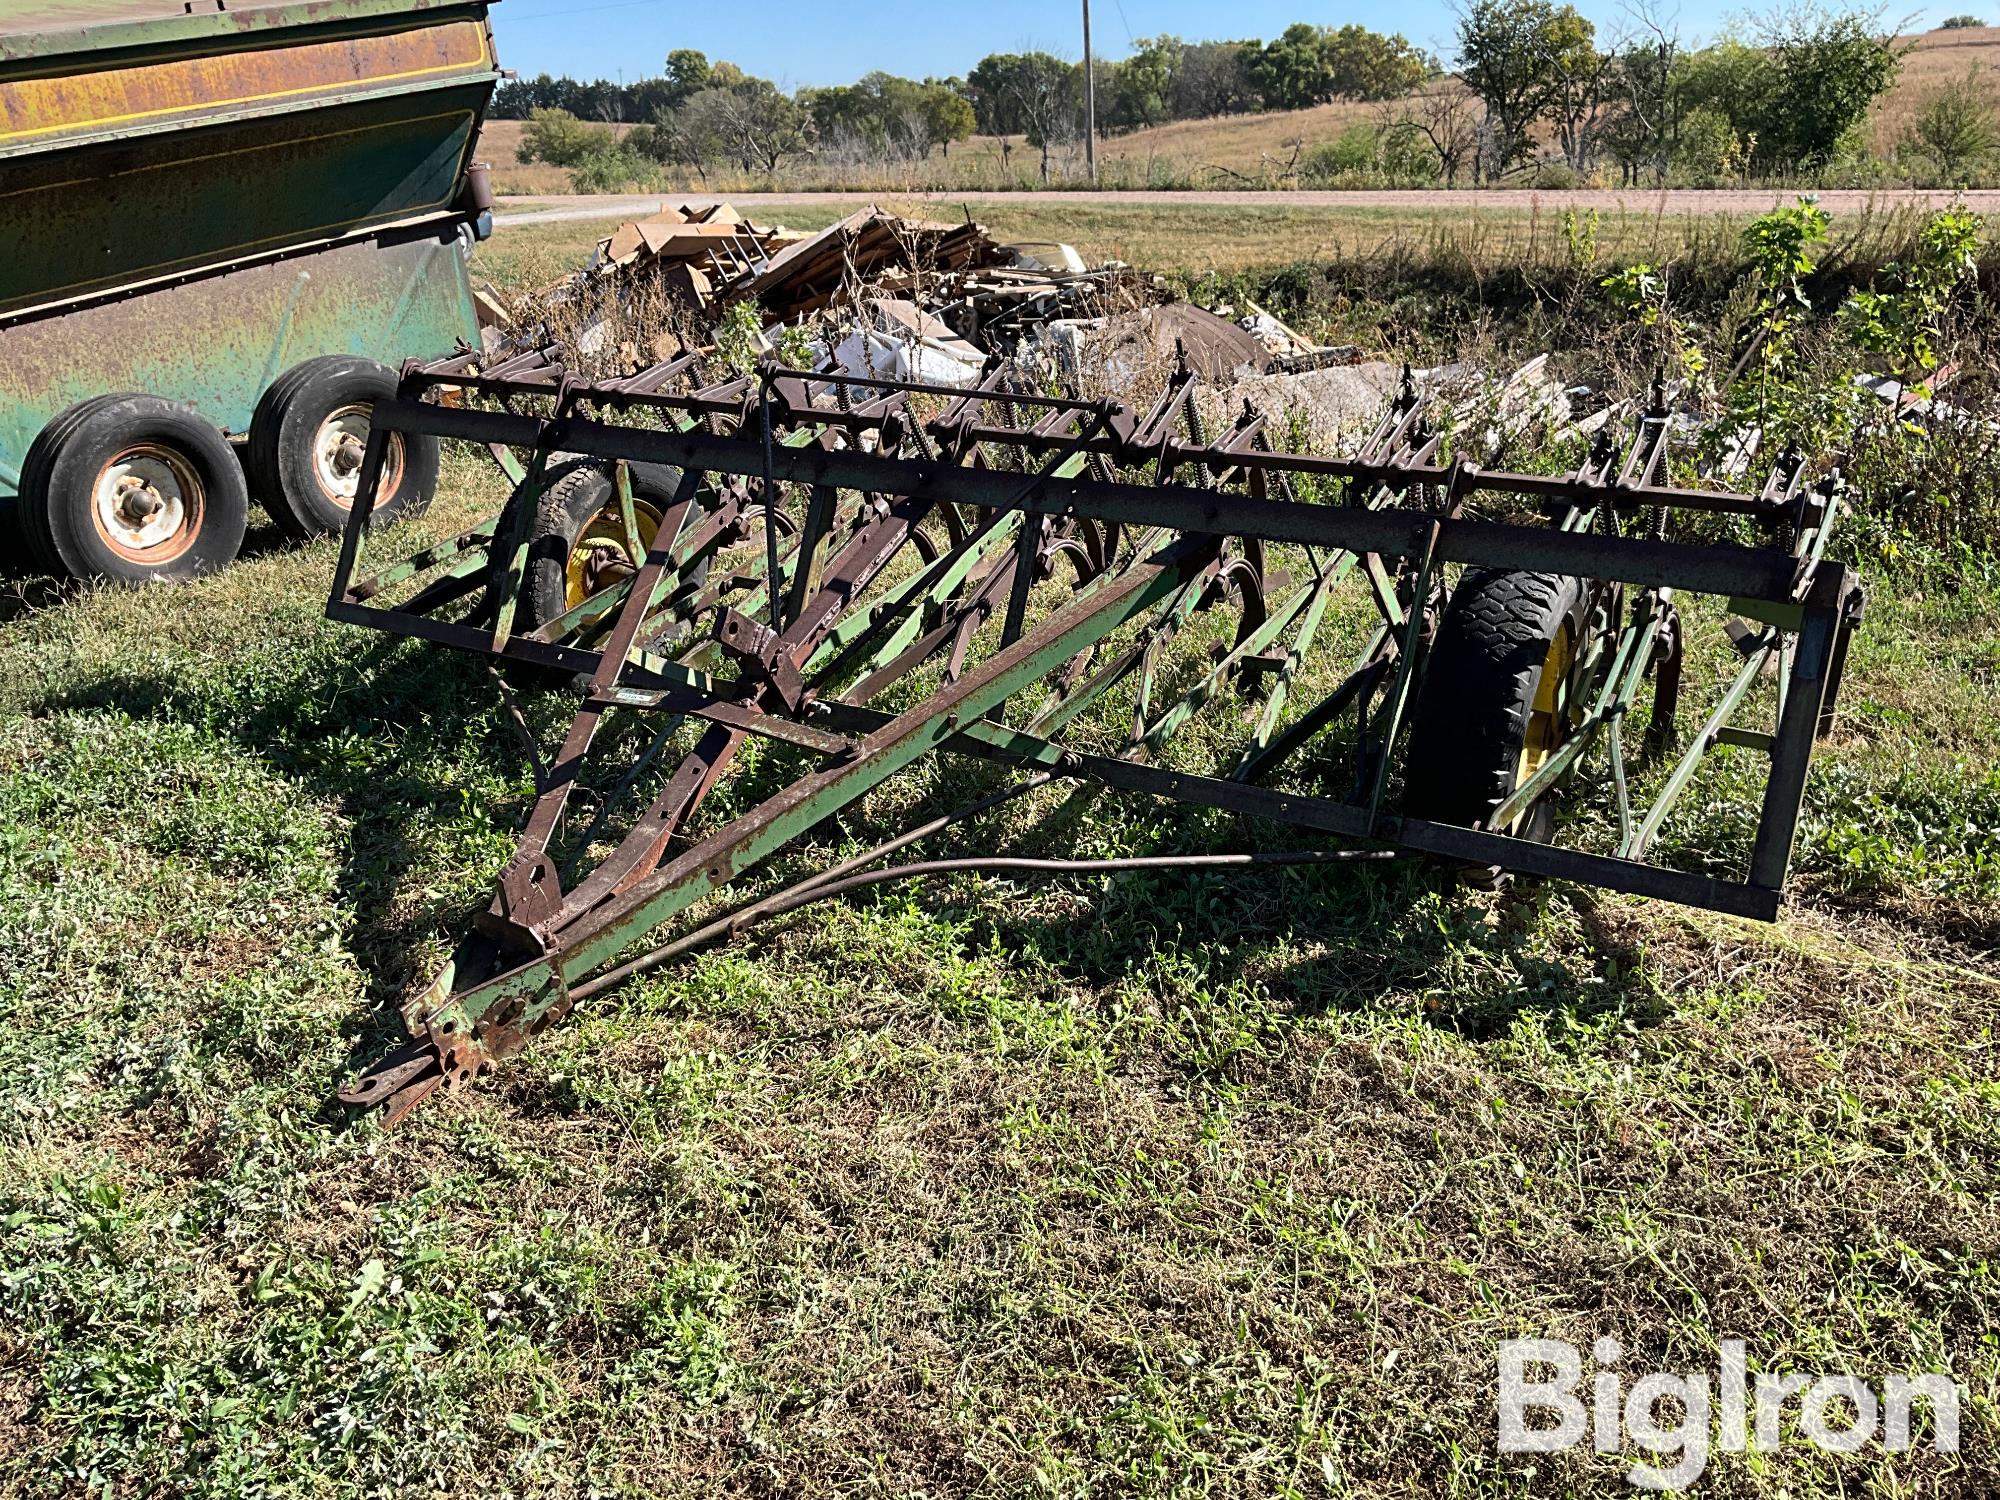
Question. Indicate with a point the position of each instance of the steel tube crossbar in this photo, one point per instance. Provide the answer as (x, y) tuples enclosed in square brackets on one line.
[(1742, 572), (861, 573)]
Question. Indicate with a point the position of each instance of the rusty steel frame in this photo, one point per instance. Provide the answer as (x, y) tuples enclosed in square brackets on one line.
[(893, 534)]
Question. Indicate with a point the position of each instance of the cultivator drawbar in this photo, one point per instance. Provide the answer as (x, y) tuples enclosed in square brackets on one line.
[(858, 574)]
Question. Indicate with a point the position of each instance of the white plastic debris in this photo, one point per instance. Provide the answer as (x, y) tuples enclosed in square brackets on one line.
[(897, 340)]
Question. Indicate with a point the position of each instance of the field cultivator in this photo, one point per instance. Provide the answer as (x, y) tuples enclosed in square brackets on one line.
[(860, 574)]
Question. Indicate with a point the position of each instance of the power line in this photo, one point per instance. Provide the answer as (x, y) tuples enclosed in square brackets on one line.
[(1130, 40)]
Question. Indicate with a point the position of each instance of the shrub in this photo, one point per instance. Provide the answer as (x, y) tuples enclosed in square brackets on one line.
[(1556, 177), (1955, 131), (1404, 153), (1348, 154), (618, 170), (1709, 149), (559, 138)]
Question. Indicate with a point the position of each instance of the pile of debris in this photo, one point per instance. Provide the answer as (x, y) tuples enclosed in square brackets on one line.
[(868, 248), (878, 294), (690, 252)]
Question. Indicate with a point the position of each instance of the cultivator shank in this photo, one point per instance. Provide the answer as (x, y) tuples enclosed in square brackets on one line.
[(859, 574)]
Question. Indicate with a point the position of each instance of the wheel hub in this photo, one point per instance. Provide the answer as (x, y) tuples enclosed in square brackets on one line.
[(338, 448), (138, 501), (142, 501), (602, 554)]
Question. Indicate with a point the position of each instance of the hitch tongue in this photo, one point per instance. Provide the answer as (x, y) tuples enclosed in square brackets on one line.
[(401, 1081)]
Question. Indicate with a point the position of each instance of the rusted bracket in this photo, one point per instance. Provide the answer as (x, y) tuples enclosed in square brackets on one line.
[(761, 652)]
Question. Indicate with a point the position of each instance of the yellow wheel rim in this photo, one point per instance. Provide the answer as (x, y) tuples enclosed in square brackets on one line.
[(602, 554), (1549, 718)]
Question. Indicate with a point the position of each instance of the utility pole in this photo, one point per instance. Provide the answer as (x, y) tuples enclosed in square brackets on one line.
[(1089, 102)]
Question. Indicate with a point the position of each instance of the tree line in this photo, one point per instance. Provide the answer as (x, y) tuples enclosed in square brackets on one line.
[(1535, 82), (700, 114), (1789, 95)]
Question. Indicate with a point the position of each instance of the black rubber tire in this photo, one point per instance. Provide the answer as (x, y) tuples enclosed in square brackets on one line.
[(28, 520), (59, 476), (284, 434), (1470, 719), (574, 490)]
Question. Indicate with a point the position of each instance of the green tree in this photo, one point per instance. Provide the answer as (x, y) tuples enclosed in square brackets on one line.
[(1516, 55), (1292, 71), (559, 138), (1826, 70), (598, 161), (1214, 79), (1371, 65), (1731, 79), (1583, 89), (1031, 94), (1640, 132), (1144, 93), (946, 113), (1959, 23), (1310, 65), (687, 74)]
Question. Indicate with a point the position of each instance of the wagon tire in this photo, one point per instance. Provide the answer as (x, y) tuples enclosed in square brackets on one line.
[(1490, 711), (24, 530), (306, 441), (133, 489)]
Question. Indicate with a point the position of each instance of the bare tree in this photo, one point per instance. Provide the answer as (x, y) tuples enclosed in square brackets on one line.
[(1641, 132), (1446, 114)]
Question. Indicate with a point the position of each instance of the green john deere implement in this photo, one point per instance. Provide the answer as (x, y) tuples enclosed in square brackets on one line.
[(846, 570)]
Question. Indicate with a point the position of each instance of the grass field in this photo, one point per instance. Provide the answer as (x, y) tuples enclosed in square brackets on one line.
[(1230, 151), (1191, 241), (1153, 1185)]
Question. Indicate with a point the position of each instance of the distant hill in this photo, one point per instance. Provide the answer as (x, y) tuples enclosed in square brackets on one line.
[(1940, 57), (1247, 149)]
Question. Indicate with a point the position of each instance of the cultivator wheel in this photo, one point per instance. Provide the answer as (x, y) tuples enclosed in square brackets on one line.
[(859, 575), (1505, 685), (587, 535)]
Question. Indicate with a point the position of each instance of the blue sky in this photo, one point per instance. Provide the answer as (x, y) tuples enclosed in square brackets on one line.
[(835, 41)]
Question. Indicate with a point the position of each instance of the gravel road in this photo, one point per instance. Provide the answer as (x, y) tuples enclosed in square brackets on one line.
[(1673, 202)]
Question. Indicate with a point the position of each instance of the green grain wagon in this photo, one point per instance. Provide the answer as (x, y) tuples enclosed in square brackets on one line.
[(221, 223)]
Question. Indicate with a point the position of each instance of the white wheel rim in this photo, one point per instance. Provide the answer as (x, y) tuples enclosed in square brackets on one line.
[(336, 453), (142, 499)]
